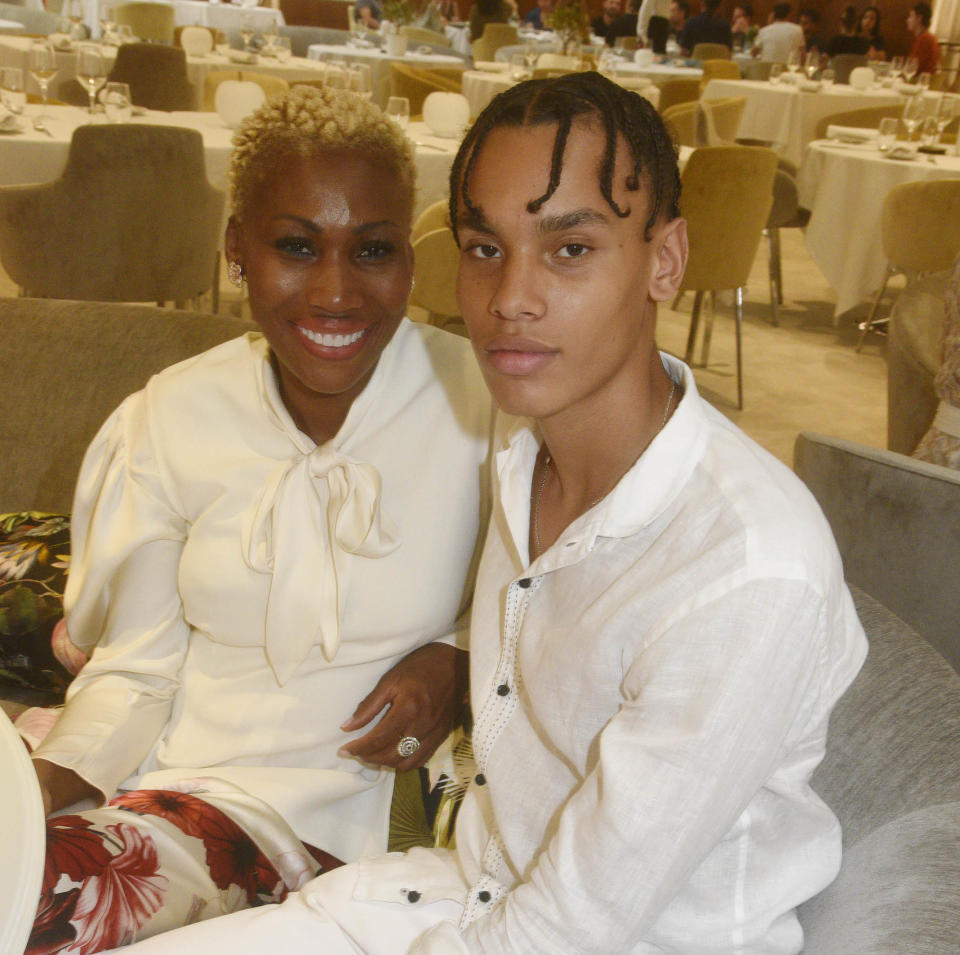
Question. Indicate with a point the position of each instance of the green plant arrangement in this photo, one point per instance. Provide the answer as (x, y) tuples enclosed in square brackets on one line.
[(569, 21), (400, 12)]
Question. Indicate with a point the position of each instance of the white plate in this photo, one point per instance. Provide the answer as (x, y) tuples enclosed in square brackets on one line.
[(22, 840)]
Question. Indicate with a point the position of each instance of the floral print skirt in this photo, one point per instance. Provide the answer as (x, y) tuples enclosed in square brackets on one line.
[(154, 860)]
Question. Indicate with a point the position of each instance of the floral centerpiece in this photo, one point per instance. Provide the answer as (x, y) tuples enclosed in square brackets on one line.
[(570, 22)]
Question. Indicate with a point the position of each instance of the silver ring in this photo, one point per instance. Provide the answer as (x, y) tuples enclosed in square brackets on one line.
[(407, 746)]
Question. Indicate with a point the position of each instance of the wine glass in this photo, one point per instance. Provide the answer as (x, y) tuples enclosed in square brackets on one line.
[(90, 71), (776, 71), (269, 47), (530, 55), (43, 68), (335, 77), (811, 64), (910, 67), (247, 31), (360, 79), (947, 108), (398, 109), (74, 11), (912, 115), (106, 18), (12, 93), (896, 66), (117, 102), (793, 61), (282, 47)]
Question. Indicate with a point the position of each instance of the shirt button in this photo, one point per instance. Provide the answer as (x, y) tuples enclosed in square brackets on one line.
[(524, 582), (483, 896), (503, 689), (413, 896), (480, 779)]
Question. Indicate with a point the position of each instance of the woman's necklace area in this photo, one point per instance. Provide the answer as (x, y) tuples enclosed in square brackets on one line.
[(547, 470)]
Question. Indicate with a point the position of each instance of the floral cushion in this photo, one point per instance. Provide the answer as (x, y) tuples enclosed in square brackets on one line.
[(35, 652)]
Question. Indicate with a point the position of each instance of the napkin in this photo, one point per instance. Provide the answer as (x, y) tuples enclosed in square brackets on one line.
[(8, 121), (851, 134), (61, 41)]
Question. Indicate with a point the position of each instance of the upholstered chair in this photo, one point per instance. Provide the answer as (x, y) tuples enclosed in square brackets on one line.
[(678, 91), (866, 118), (494, 36), (150, 22), (416, 85), (157, 76), (711, 51)]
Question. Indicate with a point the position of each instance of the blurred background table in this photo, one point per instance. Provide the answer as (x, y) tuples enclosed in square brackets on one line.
[(844, 186)]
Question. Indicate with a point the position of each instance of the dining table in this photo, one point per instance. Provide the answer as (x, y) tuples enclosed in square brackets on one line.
[(31, 156), (206, 13), (481, 85), (843, 184), (379, 62), (786, 116)]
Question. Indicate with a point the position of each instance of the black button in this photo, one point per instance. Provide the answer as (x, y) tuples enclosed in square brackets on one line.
[(480, 779), (413, 896), (483, 896), (525, 582), (503, 689)]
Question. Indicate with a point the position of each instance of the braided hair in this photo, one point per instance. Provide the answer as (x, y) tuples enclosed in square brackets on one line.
[(622, 114)]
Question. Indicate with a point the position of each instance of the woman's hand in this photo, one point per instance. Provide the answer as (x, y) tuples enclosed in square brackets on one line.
[(424, 692), (61, 787)]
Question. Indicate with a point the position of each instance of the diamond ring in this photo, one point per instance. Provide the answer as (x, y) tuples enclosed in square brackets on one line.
[(407, 746)]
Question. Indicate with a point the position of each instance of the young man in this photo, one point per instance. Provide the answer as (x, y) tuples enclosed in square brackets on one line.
[(603, 24), (706, 27), (660, 623), (779, 38), (925, 48), (809, 24)]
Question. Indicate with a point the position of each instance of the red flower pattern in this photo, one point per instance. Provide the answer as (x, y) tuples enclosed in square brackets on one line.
[(74, 849), (52, 931)]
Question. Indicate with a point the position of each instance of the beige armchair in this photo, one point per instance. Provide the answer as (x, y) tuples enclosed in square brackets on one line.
[(132, 218), (494, 36), (150, 22), (711, 51), (157, 76)]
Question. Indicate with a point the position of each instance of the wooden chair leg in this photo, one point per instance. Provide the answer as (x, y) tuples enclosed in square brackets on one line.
[(215, 287), (776, 282), (738, 299), (694, 321), (708, 330), (867, 326)]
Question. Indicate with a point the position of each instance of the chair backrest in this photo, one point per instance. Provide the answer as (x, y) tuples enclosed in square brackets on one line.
[(436, 260), (726, 198), (867, 118), (678, 90), (843, 64), (494, 36), (150, 22), (890, 775), (557, 61), (719, 70), (234, 100), (271, 85), (157, 76), (757, 70), (711, 51), (896, 521), (196, 41), (303, 37), (132, 218), (723, 118), (920, 225), (435, 216), (626, 43), (416, 85), (785, 210), (417, 35), (211, 81), (78, 361), (685, 123)]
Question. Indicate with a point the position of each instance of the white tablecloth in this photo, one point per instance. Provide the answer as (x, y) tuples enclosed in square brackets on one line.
[(10, 26), (32, 156), (379, 62), (659, 73), (844, 187), (480, 86), (786, 116)]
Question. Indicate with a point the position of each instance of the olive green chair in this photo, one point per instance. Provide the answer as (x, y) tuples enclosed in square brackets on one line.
[(150, 22)]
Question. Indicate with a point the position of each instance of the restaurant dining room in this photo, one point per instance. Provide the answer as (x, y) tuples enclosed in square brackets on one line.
[(819, 312)]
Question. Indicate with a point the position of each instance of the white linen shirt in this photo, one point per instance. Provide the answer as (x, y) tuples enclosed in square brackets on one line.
[(650, 697), (778, 40), (201, 509)]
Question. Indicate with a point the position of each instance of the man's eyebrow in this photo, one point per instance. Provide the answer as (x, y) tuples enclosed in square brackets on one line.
[(472, 217), (570, 220)]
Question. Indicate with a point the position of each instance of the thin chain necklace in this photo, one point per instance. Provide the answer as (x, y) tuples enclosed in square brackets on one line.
[(547, 470)]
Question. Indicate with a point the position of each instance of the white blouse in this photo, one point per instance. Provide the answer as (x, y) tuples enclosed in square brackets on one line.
[(244, 588)]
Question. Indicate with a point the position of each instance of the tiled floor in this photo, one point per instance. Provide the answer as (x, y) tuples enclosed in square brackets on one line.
[(802, 375)]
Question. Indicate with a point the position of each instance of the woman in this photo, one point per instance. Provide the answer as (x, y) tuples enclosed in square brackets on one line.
[(847, 40), (870, 29), (257, 542), (483, 12)]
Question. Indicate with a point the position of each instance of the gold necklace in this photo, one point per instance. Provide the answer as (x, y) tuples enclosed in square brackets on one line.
[(548, 469)]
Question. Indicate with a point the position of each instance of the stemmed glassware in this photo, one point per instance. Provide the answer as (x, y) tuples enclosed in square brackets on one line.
[(360, 79), (43, 68), (398, 109), (896, 66), (74, 11), (812, 64), (793, 61), (12, 94), (530, 55), (912, 117), (947, 108), (106, 19), (91, 72), (247, 31), (910, 67)]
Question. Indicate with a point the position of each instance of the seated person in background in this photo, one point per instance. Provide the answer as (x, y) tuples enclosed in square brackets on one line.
[(705, 27), (625, 24), (741, 25), (602, 25), (483, 12), (368, 13), (941, 444), (925, 48), (779, 38), (660, 626), (678, 13), (536, 18), (266, 536), (809, 24), (870, 28), (656, 10), (848, 40)]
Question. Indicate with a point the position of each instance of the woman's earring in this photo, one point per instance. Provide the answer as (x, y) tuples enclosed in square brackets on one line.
[(235, 274)]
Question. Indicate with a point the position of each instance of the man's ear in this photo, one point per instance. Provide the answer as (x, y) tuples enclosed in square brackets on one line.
[(671, 259)]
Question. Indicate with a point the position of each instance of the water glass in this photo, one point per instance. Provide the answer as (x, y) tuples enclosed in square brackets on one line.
[(12, 93), (336, 77), (518, 67), (117, 103), (281, 47), (887, 133), (776, 71), (827, 78), (91, 71), (360, 79), (398, 109)]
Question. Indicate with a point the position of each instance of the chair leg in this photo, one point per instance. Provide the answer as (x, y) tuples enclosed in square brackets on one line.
[(215, 287), (694, 321), (867, 326), (708, 330), (738, 299), (776, 283)]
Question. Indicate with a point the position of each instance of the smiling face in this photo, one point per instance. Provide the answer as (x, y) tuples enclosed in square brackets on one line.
[(560, 303), (324, 246)]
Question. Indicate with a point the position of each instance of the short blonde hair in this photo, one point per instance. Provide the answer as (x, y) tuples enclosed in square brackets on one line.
[(306, 120)]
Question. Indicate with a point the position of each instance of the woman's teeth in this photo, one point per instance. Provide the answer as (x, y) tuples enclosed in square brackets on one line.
[(331, 341)]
